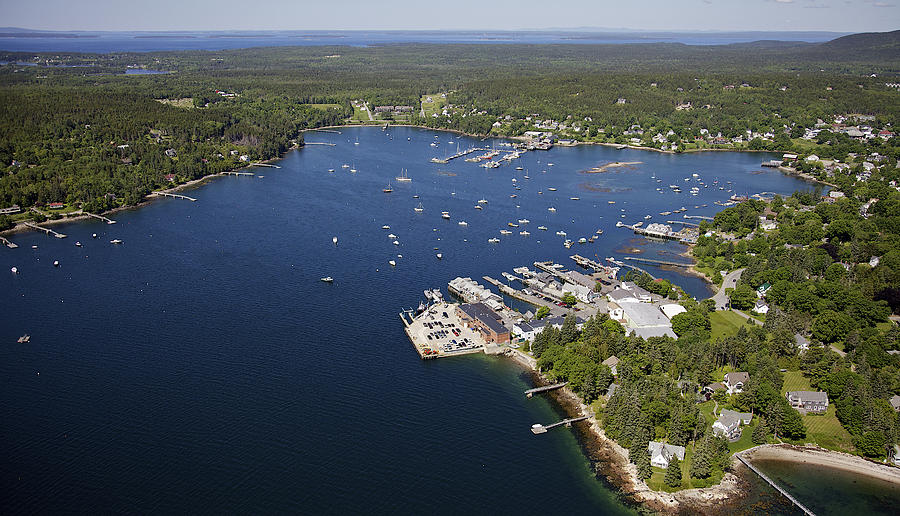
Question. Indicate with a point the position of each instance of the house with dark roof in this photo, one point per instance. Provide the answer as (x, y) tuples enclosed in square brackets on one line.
[(810, 401), (483, 320)]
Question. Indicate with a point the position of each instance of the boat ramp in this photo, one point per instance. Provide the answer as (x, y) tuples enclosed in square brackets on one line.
[(176, 196), (100, 217), (45, 230), (537, 390), (773, 484)]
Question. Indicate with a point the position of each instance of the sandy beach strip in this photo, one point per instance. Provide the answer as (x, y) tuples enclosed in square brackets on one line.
[(821, 457)]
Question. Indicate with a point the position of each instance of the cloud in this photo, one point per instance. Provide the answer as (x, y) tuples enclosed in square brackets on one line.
[(784, 1)]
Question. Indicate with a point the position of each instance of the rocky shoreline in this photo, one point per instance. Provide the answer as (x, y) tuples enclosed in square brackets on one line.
[(610, 464)]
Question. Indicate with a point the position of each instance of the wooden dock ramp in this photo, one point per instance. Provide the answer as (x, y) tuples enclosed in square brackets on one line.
[(773, 484), (537, 390)]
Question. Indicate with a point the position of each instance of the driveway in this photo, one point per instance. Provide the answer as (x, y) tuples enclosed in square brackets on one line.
[(730, 281)]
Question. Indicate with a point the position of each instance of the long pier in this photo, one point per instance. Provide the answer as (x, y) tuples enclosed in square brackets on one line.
[(773, 484), (546, 267), (657, 262), (542, 429), (101, 217), (264, 165), (45, 230), (457, 155), (702, 217), (319, 143), (683, 222), (8, 243), (233, 173), (176, 196), (537, 390)]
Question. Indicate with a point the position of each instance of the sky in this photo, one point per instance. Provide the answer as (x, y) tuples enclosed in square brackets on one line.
[(656, 15)]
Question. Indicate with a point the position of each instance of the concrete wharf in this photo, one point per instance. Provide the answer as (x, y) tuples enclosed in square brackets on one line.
[(7, 243), (100, 217), (773, 484), (537, 390), (45, 230), (549, 269), (542, 429), (530, 299), (702, 217), (176, 196), (233, 173), (657, 262)]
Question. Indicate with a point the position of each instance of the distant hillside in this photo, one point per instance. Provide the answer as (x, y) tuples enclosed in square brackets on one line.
[(864, 46)]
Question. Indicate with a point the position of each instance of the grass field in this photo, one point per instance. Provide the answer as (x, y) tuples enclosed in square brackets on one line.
[(435, 106), (326, 106), (825, 429), (724, 324)]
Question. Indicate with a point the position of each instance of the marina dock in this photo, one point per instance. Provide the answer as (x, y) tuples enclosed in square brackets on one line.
[(45, 230), (537, 390), (176, 196), (457, 155), (8, 243), (773, 484), (542, 429), (100, 217)]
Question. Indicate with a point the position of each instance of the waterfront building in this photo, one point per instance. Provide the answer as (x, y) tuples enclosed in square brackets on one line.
[(482, 319), (672, 309), (645, 320), (661, 454)]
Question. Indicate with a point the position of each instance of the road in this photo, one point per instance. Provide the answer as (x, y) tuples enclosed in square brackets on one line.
[(730, 281)]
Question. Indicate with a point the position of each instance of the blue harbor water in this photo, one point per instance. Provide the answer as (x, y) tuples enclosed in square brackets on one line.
[(201, 366), (18, 40)]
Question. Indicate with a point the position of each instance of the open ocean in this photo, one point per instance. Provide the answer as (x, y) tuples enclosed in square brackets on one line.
[(201, 366)]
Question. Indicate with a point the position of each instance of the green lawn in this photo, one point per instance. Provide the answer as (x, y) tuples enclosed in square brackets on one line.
[(656, 481), (724, 324), (435, 106), (825, 429), (326, 106)]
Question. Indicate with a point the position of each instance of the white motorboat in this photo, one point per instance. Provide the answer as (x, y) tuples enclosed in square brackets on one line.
[(524, 232), (439, 256), (327, 279), (16, 271), (505, 232), (561, 233), (445, 215), (551, 209), (463, 223), (56, 263), (494, 240), (542, 228), (385, 227), (116, 241), (334, 240), (392, 236), (524, 221), (392, 262)]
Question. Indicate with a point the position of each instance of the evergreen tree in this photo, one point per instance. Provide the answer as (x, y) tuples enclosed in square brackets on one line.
[(673, 473), (760, 433), (701, 467), (569, 332)]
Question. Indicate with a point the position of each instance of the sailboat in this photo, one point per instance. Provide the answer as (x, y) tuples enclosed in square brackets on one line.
[(403, 178), (387, 189), (419, 208)]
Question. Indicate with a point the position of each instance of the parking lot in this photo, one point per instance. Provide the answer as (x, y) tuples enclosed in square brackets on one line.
[(437, 332)]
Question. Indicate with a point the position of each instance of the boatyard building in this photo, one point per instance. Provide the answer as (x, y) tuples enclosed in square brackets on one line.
[(484, 320)]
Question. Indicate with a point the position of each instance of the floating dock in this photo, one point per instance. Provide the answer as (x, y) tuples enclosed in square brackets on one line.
[(8, 243), (537, 390), (176, 196), (542, 429), (45, 230), (773, 484)]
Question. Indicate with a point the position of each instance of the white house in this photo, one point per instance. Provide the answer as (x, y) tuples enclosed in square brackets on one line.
[(735, 382), (761, 307), (661, 454)]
